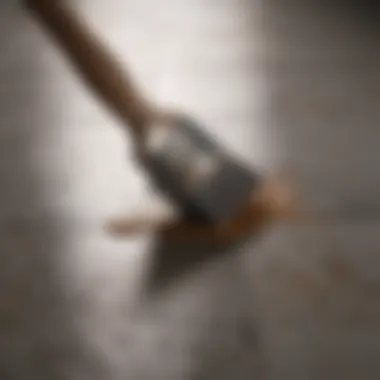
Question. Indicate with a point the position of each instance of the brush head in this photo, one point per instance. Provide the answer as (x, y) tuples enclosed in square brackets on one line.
[(192, 169)]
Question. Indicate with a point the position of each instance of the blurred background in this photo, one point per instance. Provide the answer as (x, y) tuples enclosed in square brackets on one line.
[(290, 86)]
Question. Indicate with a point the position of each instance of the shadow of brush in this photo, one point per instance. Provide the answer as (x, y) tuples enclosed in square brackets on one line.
[(173, 260), (183, 248)]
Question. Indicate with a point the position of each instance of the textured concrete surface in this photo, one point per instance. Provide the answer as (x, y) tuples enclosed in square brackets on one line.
[(288, 85)]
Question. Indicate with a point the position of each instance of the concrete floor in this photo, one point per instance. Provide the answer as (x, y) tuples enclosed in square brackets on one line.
[(292, 86)]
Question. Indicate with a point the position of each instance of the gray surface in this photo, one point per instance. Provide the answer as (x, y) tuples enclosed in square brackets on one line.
[(293, 87)]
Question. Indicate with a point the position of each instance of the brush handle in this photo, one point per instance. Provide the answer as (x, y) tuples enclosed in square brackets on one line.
[(97, 65)]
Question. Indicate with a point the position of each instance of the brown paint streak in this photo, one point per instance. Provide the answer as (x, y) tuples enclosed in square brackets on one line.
[(339, 272), (337, 276)]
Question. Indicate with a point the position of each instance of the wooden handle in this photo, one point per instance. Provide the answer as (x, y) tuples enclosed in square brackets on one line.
[(96, 64)]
